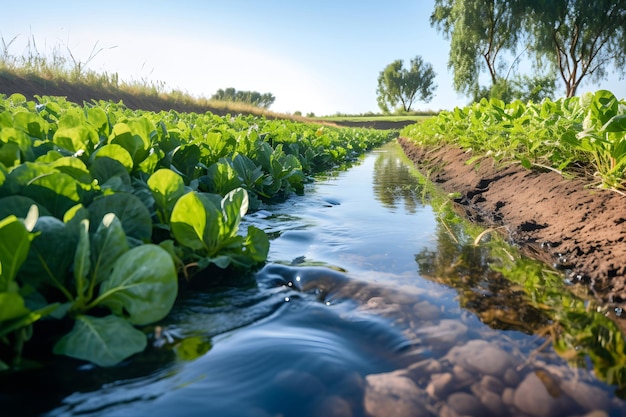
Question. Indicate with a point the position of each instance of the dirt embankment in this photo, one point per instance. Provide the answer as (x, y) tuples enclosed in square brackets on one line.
[(556, 220)]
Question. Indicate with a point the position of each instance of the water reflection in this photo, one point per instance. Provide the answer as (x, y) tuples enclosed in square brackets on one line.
[(393, 183), (463, 266)]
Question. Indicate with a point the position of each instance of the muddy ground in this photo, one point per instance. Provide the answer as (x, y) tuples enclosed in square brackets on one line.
[(559, 221)]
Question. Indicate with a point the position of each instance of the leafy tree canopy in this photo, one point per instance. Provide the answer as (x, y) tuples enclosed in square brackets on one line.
[(581, 38), (479, 31), (576, 39), (250, 97), (398, 85)]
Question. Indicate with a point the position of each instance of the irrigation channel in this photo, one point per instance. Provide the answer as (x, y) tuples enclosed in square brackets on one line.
[(373, 303)]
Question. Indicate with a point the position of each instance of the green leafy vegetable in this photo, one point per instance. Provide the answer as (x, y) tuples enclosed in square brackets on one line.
[(105, 341)]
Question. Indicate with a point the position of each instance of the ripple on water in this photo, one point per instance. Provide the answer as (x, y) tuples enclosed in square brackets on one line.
[(293, 357)]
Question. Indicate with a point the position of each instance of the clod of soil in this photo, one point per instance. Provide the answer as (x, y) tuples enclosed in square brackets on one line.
[(557, 220)]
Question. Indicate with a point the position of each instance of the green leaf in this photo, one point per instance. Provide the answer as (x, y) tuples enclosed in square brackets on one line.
[(51, 254), (73, 167), (250, 174), (50, 188), (166, 187), (134, 136), (604, 106), (82, 260), (117, 152), (19, 205), (110, 173), (192, 214), (256, 244), (18, 137), (104, 341), (234, 207), (77, 139), (14, 246), (192, 348), (615, 124), (220, 178), (10, 154), (108, 243), (143, 285), (98, 118), (11, 306), (58, 192), (185, 160), (133, 214), (526, 163)]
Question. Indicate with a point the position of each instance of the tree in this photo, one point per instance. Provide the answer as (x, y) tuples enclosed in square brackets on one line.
[(582, 38), (479, 31), (250, 97), (525, 88), (400, 85)]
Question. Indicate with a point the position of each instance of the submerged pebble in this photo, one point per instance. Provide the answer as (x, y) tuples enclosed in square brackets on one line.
[(466, 404), (482, 357), (394, 395), (534, 398)]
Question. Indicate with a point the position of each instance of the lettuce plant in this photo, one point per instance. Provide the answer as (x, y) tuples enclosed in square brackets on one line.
[(207, 226), (113, 286)]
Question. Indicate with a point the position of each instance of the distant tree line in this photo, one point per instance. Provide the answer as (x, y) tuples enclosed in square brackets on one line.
[(568, 39), (253, 98)]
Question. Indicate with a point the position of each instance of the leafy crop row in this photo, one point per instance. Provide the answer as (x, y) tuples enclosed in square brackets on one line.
[(579, 135), (103, 208)]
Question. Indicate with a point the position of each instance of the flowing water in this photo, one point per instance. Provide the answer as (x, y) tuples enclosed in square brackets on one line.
[(372, 303)]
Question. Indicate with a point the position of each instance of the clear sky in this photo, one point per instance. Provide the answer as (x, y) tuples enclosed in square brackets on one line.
[(320, 56)]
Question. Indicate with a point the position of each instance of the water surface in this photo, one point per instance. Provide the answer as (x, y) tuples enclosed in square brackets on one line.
[(366, 289)]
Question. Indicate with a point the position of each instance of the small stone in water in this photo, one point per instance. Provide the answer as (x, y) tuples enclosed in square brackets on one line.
[(466, 404), (494, 403), (393, 395), (440, 386), (492, 384), (482, 357), (533, 398)]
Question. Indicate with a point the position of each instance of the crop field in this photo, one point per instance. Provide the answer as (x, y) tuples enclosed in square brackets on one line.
[(103, 209), (579, 136)]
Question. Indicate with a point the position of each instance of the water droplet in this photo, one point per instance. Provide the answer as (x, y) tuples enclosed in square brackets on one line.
[(287, 299), (298, 278)]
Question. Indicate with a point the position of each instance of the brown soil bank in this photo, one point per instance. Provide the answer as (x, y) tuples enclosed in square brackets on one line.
[(556, 220)]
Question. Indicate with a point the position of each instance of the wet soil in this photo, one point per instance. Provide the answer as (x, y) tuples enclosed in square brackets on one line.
[(559, 221)]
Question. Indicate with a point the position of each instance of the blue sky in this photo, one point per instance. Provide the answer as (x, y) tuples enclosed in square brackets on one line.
[(315, 56)]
